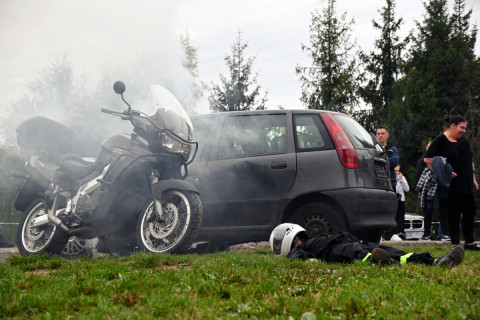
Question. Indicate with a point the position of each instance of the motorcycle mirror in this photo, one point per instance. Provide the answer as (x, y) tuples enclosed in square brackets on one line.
[(119, 87)]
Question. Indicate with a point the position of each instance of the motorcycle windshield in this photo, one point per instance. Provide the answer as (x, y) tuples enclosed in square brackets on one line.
[(170, 113)]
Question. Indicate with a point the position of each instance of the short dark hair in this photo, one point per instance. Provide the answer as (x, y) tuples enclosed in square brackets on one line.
[(456, 119), (383, 127)]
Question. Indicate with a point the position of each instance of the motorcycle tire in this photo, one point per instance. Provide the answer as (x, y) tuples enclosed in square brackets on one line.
[(74, 248), (37, 240), (182, 217)]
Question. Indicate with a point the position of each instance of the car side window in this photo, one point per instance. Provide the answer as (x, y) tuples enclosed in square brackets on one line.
[(310, 133), (253, 135)]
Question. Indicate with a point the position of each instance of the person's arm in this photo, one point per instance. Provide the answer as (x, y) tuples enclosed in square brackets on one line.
[(475, 184), (428, 162), (404, 183), (394, 158), (299, 253)]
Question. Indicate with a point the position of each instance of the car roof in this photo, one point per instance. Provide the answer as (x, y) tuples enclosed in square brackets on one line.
[(254, 112)]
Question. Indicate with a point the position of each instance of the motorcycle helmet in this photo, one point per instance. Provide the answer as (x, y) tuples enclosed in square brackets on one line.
[(281, 239)]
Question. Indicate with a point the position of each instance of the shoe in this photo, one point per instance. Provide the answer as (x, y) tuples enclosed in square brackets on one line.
[(425, 238), (474, 247), (452, 258), (395, 238), (402, 236), (382, 257), (445, 238)]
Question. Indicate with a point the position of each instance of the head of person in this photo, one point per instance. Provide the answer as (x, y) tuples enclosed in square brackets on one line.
[(397, 170), (456, 126), (282, 238), (382, 135)]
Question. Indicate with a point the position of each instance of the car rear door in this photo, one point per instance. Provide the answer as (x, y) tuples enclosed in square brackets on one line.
[(251, 166)]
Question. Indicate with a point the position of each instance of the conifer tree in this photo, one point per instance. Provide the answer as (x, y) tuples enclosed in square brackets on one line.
[(190, 62), (329, 83), (232, 94), (441, 74), (382, 67)]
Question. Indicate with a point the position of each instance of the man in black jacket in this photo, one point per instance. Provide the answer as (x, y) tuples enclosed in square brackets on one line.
[(292, 241)]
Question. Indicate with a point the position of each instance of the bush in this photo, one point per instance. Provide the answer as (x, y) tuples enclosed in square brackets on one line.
[(10, 160)]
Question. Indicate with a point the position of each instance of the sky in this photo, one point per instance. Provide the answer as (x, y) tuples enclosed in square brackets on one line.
[(100, 35)]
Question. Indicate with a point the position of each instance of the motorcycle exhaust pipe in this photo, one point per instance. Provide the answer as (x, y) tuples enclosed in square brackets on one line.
[(40, 221), (43, 220)]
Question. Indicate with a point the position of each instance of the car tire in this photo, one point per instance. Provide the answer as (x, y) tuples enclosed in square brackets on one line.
[(318, 218)]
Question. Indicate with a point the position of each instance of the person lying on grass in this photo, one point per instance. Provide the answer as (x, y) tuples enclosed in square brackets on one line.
[(292, 241)]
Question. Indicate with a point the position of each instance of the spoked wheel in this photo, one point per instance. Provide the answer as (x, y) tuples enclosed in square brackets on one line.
[(74, 248), (36, 240), (175, 233)]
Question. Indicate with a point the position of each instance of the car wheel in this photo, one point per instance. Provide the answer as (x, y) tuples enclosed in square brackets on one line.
[(318, 218)]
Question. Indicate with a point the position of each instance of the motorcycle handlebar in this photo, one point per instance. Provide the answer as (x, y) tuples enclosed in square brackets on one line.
[(105, 110)]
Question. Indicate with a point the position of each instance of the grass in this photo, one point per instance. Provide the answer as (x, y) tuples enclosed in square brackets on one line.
[(235, 285)]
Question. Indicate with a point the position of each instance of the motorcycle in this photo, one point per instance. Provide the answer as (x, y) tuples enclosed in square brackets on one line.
[(132, 197)]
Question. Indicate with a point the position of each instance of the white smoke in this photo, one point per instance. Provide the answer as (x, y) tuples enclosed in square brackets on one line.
[(132, 41)]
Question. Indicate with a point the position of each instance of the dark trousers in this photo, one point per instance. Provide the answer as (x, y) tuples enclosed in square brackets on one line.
[(396, 254), (427, 212), (461, 204), (344, 247), (443, 210)]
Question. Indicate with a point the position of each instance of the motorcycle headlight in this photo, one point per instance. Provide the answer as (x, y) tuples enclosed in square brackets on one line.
[(173, 145)]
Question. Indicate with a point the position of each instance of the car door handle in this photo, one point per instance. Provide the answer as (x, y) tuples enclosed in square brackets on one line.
[(279, 165)]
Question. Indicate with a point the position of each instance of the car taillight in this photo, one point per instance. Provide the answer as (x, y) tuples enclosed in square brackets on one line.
[(345, 150)]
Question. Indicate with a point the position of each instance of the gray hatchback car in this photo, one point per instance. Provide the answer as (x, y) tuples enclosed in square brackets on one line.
[(320, 169)]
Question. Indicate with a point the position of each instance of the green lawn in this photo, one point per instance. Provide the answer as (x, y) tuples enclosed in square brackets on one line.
[(235, 285)]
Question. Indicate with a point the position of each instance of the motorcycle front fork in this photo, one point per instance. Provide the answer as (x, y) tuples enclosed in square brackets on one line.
[(157, 204)]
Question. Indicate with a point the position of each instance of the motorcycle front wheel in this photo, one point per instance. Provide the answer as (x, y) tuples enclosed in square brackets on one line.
[(178, 228), (33, 240)]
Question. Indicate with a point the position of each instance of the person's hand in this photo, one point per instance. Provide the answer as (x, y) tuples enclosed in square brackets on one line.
[(454, 175), (400, 175), (475, 184)]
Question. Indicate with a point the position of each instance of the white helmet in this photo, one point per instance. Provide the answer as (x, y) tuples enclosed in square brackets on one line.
[(281, 239)]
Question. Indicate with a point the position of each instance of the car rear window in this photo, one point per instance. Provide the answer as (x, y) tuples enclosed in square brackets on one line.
[(359, 137), (253, 135), (310, 133)]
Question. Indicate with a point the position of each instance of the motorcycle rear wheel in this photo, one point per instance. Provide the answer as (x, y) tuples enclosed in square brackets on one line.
[(74, 248), (182, 217), (37, 240)]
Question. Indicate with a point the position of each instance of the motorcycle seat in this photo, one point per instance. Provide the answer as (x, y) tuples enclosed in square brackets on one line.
[(77, 169)]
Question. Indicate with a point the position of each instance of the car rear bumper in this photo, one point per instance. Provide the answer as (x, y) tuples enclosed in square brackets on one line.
[(367, 208)]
